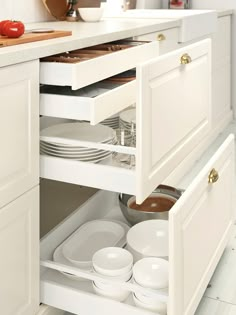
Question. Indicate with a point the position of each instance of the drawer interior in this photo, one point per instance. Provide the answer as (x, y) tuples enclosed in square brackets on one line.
[(80, 55)]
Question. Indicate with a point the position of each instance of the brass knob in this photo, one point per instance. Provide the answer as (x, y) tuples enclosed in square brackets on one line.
[(161, 37), (185, 59), (213, 176)]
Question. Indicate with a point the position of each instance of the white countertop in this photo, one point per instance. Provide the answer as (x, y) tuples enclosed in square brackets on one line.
[(83, 35)]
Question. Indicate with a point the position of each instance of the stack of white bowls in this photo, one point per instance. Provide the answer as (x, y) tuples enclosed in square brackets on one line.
[(151, 273), (113, 263)]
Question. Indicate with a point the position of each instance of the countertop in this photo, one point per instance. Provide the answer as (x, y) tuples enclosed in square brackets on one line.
[(84, 35)]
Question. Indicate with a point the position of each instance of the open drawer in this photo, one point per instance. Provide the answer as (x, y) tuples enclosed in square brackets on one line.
[(199, 227), (81, 71), (93, 103), (173, 114)]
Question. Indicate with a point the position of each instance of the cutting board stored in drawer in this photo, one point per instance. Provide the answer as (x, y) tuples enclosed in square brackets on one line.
[(31, 37)]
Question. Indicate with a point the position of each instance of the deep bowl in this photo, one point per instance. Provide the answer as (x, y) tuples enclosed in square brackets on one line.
[(156, 206), (91, 14)]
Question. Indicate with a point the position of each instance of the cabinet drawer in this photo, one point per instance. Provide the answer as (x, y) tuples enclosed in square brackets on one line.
[(168, 39), (200, 206), (98, 67), (103, 100), (172, 116)]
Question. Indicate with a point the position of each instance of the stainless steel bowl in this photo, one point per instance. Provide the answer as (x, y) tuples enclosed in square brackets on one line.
[(134, 216)]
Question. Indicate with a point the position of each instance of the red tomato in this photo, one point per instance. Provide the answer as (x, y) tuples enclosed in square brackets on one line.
[(2, 23), (13, 29)]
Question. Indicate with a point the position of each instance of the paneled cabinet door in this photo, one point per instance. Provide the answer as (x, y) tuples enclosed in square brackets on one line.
[(200, 226), (173, 112), (19, 248), (19, 160)]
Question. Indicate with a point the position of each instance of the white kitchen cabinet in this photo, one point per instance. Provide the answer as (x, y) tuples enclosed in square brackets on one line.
[(169, 101), (198, 233), (19, 246), (19, 93)]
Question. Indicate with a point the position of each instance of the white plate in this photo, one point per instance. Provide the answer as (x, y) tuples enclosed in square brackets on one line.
[(128, 116), (79, 131), (80, 247), (60, 258)]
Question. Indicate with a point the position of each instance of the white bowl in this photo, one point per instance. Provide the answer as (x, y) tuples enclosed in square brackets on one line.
[(149, 239), (91, 14), (112, 261), (101, 284), (120, 278), (154, 306), (152, 272), (113, 293)]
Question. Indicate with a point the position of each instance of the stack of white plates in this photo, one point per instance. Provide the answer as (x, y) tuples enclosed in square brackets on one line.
[(77, 131), (112, 121), (127, 118)]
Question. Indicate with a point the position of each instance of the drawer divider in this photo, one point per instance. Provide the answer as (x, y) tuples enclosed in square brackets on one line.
[(93, 276)]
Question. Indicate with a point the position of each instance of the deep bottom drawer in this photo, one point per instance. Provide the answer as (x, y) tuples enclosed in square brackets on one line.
[(201, 202)]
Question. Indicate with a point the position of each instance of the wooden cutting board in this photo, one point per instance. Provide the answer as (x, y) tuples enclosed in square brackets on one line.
[(31, 37)]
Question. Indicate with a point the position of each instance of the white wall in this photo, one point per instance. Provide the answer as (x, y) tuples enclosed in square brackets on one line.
[(24, 10), (223, 4)]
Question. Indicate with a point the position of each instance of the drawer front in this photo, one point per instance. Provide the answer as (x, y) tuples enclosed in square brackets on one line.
[(111, 100), (19, 167), (168, 39), (200, 227), (19, 245), (87, 72), (173, 112)]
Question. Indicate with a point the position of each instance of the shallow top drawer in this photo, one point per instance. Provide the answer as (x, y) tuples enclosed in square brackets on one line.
[(83, 67), (167, 39)]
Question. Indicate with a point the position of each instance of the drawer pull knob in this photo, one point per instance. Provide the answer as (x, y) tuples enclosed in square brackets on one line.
[(185, 59), (213, 176), (161, 37)]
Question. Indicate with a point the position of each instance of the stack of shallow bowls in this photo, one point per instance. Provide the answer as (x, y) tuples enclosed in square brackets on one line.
[(115, 264), (128, 119), (151, 273)]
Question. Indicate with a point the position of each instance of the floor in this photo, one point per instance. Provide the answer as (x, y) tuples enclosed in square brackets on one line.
[(220, 296)]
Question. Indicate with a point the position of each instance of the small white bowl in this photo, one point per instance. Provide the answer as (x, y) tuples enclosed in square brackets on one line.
[(154, 306), (149, 239), (112, 261), (91, 14), (113, 293), (152, 272), (121, 278)]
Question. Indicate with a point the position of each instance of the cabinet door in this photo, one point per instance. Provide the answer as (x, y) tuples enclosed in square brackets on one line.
[(173, 112), (19, 161), (19, 247), (200, 225)]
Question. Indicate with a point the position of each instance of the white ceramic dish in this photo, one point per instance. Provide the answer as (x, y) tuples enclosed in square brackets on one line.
[(149, 239), (60, 258), (91, 14), (79, 131), (151, 272), (112, 261), (112, 293), (156, 306), (80, 247), (122, 278), (128, 116)]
